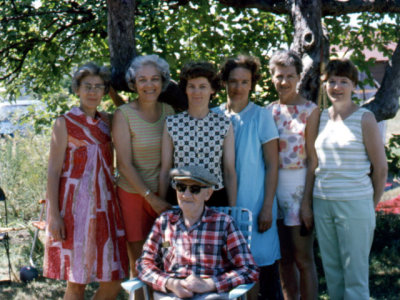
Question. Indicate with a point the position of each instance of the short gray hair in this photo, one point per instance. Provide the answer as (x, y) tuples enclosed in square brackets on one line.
[(91, 69), (140, 61), (285, 58)]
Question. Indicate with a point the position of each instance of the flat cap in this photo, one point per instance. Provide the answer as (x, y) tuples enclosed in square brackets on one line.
[(196, 173)]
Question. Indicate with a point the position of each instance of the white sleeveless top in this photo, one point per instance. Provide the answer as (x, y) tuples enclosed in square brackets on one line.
[(343, 165)]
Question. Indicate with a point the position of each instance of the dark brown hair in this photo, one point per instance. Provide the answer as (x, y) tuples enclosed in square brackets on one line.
[(250, 63), (199, 69), (340, 67)]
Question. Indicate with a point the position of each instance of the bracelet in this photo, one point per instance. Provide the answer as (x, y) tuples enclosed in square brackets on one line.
[(146, 193)]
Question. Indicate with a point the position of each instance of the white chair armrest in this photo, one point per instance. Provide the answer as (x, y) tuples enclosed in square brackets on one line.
[(240, 290), (132, 285)]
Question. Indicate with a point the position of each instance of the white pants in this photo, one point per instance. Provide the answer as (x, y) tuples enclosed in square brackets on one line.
[(345, 230)]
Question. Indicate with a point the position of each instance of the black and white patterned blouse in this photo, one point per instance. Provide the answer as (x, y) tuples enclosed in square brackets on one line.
[(199, 141)]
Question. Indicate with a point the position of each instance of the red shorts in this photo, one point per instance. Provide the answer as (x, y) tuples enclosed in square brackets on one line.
[(138, 215)]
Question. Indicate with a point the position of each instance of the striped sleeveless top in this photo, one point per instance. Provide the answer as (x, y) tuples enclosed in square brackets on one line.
[(146, 146), (343, 165)]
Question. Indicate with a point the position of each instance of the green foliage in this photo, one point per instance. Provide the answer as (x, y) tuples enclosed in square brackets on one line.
[(23, 165), (207, 30), (393, 154), (53, 37), (385, 259), (40, 45)]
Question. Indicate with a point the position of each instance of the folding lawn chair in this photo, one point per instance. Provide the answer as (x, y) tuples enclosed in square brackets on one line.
[(4, 238), (39, 224), (243, 219), (29, 273)]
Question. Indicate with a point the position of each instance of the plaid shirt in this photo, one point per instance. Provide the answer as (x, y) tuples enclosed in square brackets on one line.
[(213, 247)]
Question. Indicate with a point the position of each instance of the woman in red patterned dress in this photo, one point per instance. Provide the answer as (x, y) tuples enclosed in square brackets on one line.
[(85, 236)]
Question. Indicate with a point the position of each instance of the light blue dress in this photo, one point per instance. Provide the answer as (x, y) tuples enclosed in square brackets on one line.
[(253, 127)]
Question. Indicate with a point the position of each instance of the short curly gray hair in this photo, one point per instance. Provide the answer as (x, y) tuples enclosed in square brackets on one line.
[(285, 58), (91, 69), (140, 61)]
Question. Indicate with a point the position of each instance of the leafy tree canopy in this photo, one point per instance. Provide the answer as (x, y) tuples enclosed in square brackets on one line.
[(41, 42)]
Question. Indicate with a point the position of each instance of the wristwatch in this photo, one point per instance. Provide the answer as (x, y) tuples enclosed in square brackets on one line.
[(146, 193)]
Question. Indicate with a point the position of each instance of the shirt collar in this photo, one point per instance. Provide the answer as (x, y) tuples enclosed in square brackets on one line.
[(244, 110), (207, 216)]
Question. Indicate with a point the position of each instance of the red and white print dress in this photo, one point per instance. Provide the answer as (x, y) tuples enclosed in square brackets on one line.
[(94, 248)]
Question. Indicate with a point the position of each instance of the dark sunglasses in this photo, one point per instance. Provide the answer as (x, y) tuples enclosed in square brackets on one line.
[(193, 189)]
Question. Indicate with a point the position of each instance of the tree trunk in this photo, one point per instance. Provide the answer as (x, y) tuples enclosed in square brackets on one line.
[(121, 39), (386, 101), (308, 42)]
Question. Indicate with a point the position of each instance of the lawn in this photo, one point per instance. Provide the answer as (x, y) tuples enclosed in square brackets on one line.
[(384, 267), (23, 173)]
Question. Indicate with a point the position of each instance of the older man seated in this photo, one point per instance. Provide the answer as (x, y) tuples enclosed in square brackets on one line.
[(194, 251)]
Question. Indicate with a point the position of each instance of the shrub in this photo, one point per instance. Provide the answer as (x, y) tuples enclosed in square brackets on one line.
[(393, 154)]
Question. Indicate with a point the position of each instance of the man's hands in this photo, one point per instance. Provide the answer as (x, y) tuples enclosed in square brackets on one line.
[(199, 285), (176, 286), (185, 288)]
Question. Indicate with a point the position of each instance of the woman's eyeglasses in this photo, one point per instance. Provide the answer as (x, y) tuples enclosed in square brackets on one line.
[(97, 88), (193, 189)]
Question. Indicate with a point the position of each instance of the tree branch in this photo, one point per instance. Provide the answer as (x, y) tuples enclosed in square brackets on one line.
[(329, 7), (24, 16), (340, 7), (26, 45), (277, 7), (386, 102), (14, 73)]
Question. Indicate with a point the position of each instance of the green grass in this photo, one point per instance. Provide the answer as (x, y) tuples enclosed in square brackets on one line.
[(23, 163)]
